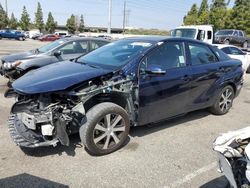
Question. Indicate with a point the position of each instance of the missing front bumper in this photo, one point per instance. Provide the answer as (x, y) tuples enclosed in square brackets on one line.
[(25, 137)]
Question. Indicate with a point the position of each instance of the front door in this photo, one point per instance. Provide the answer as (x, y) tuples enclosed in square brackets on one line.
[(163, 96), (73, 50)]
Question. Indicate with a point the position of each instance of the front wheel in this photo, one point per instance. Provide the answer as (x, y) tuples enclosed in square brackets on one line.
[(224, 101), (248, 69), (106, 128), (21, 38), (245, 45)]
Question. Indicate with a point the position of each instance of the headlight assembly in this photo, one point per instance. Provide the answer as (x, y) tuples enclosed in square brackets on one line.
[(9, 65), (16, 63)]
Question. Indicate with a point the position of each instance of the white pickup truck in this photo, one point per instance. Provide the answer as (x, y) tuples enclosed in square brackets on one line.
[(200, 32)]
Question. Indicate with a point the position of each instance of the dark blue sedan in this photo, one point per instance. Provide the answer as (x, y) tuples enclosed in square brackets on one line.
[(130, 82)]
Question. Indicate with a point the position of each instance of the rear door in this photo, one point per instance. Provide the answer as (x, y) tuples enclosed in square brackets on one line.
[(206, 72), (164, 96)]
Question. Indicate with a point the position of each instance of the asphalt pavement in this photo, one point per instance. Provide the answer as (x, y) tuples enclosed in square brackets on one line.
[(176, 153)]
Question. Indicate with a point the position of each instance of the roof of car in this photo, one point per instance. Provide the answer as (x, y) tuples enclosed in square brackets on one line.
[(224, 46), (83, 38), (163, 38)]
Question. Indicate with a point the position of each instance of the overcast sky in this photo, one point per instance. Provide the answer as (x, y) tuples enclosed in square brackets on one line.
[(160, 14)]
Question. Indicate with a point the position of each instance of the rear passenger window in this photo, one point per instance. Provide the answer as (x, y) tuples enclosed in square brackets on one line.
[(201, 54), (167, 55)]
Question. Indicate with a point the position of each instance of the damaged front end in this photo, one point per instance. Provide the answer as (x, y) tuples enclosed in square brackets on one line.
[(43, 120), (46, 119)]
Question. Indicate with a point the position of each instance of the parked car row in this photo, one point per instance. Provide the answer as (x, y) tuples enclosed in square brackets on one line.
[(101, 94), (33, 34)]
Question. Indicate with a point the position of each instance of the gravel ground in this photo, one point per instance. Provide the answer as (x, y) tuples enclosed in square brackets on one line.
[(176, 153)]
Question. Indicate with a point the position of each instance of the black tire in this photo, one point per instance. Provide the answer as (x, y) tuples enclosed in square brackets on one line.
[(91, 132), (245, 45), (9, 84), (223, 102), (227, 42), (248, 69)]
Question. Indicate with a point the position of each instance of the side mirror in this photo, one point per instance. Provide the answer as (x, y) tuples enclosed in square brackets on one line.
[(57, 53), (155, 70)]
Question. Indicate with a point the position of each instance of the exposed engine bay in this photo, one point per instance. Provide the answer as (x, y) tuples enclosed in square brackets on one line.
[(49, 118), (234, 156)]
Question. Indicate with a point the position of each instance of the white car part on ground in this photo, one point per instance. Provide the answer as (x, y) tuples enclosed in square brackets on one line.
[(223, 142)]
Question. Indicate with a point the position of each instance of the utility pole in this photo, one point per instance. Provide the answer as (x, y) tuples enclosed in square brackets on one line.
[(110, 12), (6, 7), (127, 17), (124, 15)]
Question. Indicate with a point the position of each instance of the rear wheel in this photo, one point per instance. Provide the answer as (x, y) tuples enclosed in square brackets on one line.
[(224, 101), (245, 44), (106, 128), (227, 42)]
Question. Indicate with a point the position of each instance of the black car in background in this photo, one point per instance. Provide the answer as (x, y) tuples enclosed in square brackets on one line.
[(15, 65), (231, 36)]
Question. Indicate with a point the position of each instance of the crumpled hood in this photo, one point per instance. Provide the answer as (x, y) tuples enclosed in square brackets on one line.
[(56, 77), (19, 56)]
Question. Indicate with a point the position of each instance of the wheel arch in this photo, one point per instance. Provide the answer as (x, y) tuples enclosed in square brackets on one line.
[(232, 84), (114, 97)]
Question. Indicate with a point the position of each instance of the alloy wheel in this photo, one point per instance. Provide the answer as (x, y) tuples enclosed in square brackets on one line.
[(226, 100), (109, 131)]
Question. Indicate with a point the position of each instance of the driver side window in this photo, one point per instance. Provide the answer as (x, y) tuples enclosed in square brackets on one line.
[(72, 48), (167, 55)]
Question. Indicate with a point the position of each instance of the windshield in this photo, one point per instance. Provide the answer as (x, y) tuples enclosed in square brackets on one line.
[(50, 46), (115, 54), (188, 33), (225, 32)]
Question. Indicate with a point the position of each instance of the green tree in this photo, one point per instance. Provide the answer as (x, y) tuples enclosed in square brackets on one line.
[(218, 13), (81, 25), (240, 16), (192, 16), (50, 24), (39, 17), (25, 20), (3, 18), (71, 24), (229, 18), (203, 13), (13, 23)]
